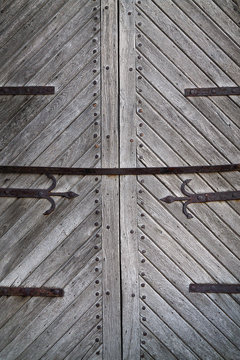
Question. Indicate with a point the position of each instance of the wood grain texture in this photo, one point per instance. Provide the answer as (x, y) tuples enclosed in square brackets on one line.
[(128, 220), (62, 47), (174, 48), (110, 184)]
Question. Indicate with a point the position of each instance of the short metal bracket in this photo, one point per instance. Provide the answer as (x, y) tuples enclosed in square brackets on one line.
[(200, 198), (215, 91), (27, 90), (22, 291), (38, 193), (215, 288)]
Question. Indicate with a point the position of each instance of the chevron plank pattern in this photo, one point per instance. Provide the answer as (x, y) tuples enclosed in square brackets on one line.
[(181, 44), (53, 43)]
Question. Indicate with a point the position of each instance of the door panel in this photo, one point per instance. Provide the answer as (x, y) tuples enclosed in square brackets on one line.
[(59, 44), (174, 51), (124, 258)]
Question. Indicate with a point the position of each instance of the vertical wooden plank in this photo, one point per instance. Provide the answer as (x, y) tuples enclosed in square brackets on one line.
[(110, 185), (128, 201)]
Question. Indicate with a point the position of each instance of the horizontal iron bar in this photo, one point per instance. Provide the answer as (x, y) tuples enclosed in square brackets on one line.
[(216, 91), (215, 288), (21, 291), (27, 90), (119, 171)]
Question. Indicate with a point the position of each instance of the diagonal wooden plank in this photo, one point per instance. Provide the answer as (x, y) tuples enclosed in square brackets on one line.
[(185, 64), (53, 263), (174, 225), (202, 40), (185, 330), (165, 335), (175, 275), (30, 28), (230, 8), (187, 110), (41, 244), (223, 21), (210, 28), (181, 40), (53, 109), (31, 331), (89, 344), (16, 14), (67, 330), (205, 106), (183, 260), (48, 73), (67, 40), (153, 346)]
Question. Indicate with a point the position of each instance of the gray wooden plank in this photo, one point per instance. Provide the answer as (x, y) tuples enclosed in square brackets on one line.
[(185, 64), (188, 111), (88, 344), (21, 312), (181, 40), (50, 238), (36, 39), (231, 8), (128, 221), (155, 347), (68, 46), (110, 185), (175, 275), (205, 106), (43, 319), (214, 183), (201, 39), (64, 44), (95, 355), (176, 224), (39, 21), (165, 335), (75, 52), (217, 236), (68, 330), (180, 325), (18, 231), (53, 109), (184, 261), (209, 28), (65, 320), (15, 16), (59, 135), (223, 21)]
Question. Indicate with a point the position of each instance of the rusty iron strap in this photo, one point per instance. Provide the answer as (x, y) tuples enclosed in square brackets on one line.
[(38, 193), (21, 291), (216, 91), (200, 198), (119, 171), (27, 90), (215, 288)]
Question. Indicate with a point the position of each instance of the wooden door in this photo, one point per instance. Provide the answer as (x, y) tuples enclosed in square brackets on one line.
[(124, 258), (165, 47), (64, 44)]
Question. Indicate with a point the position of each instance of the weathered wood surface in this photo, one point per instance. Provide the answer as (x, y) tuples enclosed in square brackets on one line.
[(133, 84), (58, 44), (181, 44), (128, 198), (110, 184)]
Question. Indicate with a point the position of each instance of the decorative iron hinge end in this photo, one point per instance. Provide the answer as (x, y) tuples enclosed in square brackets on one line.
[(200, 198), (38, 193)]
